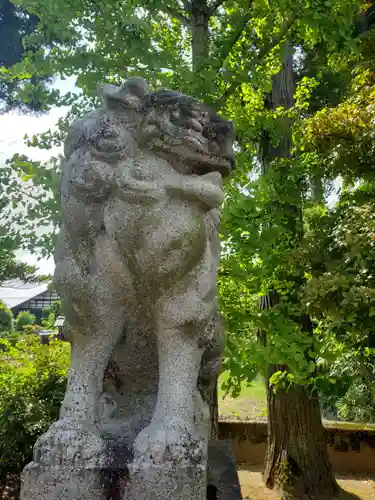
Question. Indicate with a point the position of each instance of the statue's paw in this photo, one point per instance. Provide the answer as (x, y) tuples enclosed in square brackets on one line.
[(70, 441), (160, 438)]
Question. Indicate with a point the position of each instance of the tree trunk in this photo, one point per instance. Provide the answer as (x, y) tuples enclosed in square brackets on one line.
[(296, 460), (199, 35), (317, 189)]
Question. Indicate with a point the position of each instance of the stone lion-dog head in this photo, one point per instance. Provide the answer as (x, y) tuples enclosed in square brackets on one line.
[(174, 126)]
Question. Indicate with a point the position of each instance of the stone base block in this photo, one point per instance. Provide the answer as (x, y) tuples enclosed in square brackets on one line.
[(166, 481), (61, 483), (124, 479)]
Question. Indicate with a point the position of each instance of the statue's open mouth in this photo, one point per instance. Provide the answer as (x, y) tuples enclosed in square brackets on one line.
[(207, 155), (207, 162)]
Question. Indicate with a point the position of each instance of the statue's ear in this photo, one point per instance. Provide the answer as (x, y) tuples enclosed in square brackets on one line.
[(129, 94), (136, 86)]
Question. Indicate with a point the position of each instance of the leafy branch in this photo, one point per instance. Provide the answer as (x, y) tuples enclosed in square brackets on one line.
[(262, 54), (174, 12), (236, 35), (213, 8), (29, 195)]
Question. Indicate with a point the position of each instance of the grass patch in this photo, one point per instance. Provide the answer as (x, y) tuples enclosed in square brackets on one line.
[(250, 404)]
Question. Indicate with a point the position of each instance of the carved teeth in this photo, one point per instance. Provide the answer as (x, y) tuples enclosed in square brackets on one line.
[(197, 143), (194, 124)]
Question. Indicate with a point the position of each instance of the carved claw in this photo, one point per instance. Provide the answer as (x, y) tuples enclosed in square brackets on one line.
[(159, 437), (70, 441)]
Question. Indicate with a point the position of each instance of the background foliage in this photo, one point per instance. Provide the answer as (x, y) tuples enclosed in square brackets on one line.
[(32, 385)]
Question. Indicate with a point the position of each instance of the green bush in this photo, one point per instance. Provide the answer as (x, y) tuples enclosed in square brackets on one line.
[(357, 405), (49, 323), (31, 329), (11, 337), (6, 318), (51, 313), (352, 395), (23, 319), (32, 386)]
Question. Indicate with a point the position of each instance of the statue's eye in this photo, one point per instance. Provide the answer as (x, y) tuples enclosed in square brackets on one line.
[(109, 133), (98, 135), (102, 129), (106, 139)]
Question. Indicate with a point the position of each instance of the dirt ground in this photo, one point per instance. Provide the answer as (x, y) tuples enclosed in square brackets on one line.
[(252, 405), (253, 488)]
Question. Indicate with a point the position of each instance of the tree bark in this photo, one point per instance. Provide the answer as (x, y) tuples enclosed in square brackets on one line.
[(317, 189), (199, 34), (296, 460)]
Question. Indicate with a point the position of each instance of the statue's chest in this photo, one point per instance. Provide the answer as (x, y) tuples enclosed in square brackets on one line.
[(147, 168), (138, 225)]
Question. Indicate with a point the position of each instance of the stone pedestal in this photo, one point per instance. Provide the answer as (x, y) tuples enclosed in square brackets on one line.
[(125, 479), (168, 480), (61, 483)]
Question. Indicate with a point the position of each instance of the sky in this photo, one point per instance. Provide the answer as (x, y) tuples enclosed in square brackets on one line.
[(13, 127)]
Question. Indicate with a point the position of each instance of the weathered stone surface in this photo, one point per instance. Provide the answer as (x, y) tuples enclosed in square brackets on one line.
[(136, 269), (61, 482), (182, 475)]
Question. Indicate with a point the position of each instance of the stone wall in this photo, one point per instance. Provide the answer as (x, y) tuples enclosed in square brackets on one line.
[(351, 449)]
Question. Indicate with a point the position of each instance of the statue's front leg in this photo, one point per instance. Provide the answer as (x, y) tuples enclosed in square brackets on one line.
[(95, 315), (173, 420), (76, 436), (69, 457), (173, 425)]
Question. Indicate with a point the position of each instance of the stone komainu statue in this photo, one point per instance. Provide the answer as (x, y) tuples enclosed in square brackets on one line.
[(136, 268)]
